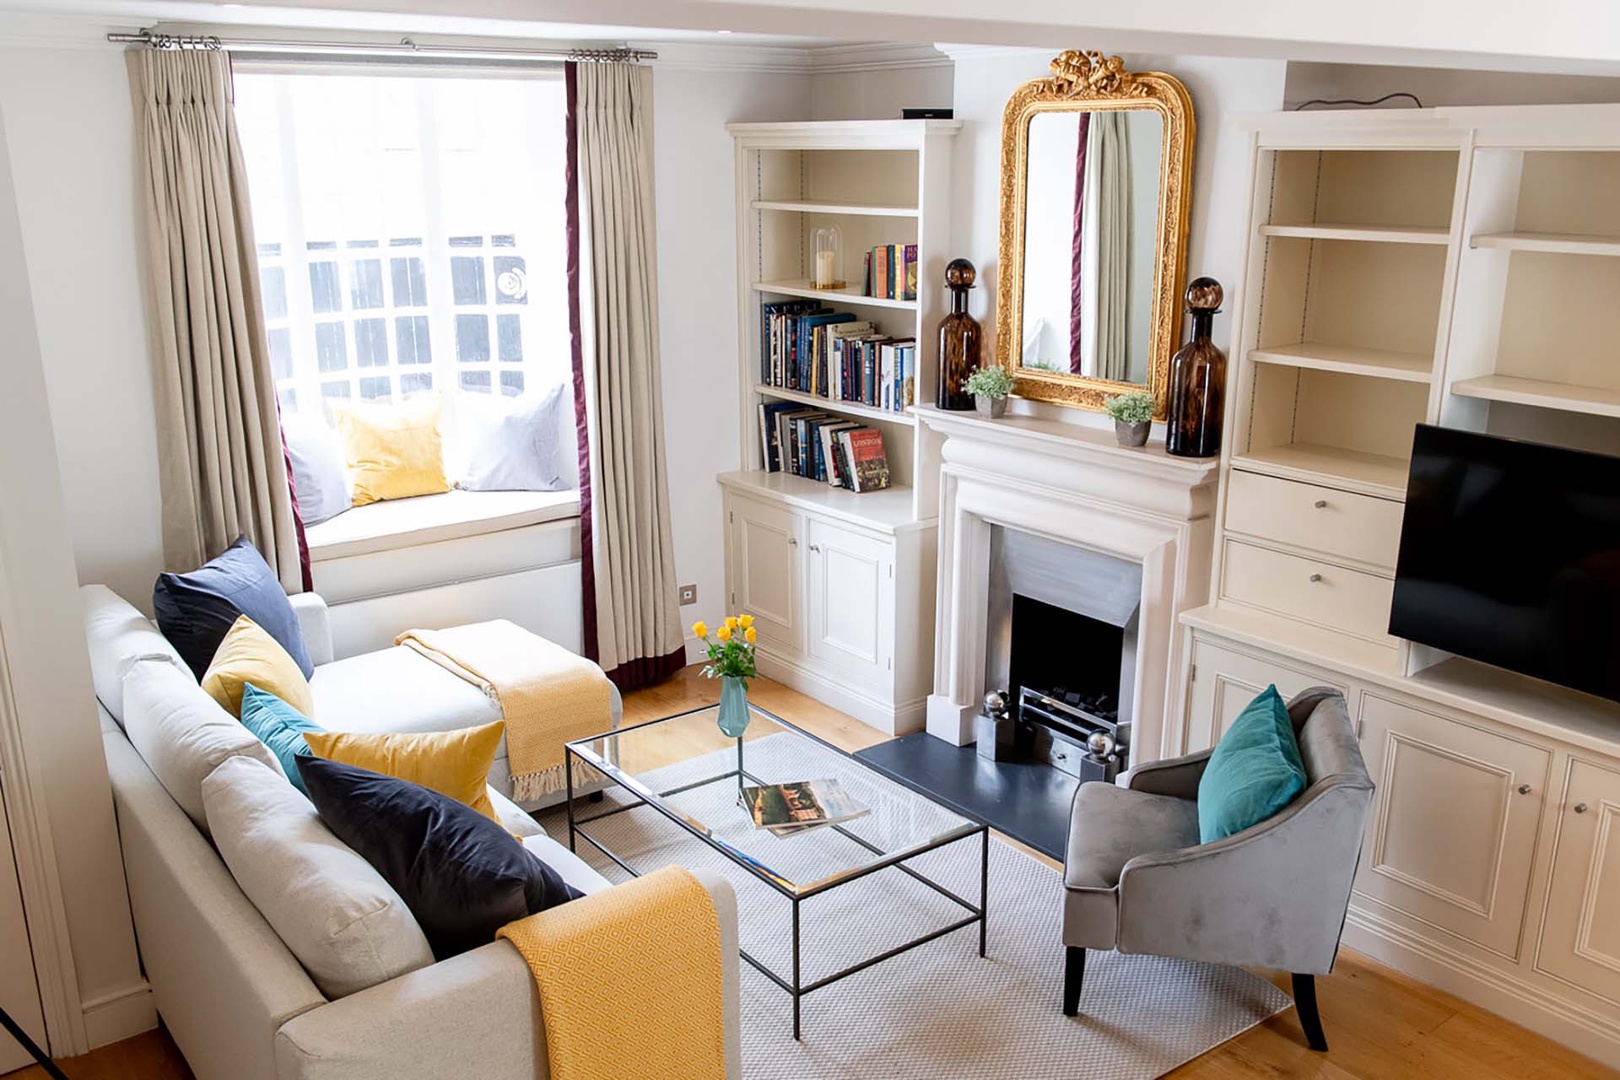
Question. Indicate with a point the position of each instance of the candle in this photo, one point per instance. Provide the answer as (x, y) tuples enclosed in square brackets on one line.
[(824, 269)]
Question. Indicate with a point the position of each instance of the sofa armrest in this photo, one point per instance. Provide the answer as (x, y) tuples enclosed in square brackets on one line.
[(315, 626), (1177, 777), (477, 1014)]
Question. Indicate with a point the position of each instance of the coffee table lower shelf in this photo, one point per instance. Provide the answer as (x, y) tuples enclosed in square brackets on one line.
[(795, 986)]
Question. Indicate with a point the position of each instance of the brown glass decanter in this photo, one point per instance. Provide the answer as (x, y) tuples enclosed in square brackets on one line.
[(961, 340), (1198, 379)]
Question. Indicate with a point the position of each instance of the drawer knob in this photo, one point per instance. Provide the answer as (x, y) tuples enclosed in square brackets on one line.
[(1315, 578), (1525, 789), (1321, 504), (1580, 808), (792, 542), (816, 548)]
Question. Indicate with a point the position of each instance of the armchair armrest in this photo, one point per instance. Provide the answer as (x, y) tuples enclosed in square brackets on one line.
[(315, 626), (1273, 895), (1177, 777)]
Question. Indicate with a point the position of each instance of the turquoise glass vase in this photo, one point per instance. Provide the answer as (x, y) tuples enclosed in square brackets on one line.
[(733, 718)]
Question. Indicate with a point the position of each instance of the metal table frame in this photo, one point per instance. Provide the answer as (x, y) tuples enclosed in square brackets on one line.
[(795, 987)]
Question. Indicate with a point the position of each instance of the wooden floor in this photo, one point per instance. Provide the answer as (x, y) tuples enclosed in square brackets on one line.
[(1379, 1023)]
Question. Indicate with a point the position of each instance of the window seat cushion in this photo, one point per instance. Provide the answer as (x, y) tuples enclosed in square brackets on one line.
[(426, 519)]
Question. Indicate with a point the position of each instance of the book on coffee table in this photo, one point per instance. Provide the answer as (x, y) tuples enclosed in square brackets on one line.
[(786, 809)]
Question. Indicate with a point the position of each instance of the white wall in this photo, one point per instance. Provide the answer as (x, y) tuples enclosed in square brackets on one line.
[(59, 803), (70, 134), (1441, 86), (879, 93), (697, 297), (1220, 89)]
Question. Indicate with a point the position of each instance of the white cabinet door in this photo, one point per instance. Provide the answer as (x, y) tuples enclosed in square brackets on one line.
[(850, 608), (19, 995), (765, 544), (1454, 822), (1224, 681), (1580, 939)]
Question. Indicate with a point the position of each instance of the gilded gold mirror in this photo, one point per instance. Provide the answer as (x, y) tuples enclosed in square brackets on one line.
[(1096, 171)]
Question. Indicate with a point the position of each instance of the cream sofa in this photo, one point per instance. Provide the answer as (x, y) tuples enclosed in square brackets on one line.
[(237, 1001)]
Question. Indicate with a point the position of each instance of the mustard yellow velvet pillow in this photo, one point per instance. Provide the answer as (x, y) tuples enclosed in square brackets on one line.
[(250, 655), (392, 451), (453, 763)]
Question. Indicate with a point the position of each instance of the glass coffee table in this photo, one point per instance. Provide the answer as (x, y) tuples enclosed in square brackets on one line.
[(687, 770)]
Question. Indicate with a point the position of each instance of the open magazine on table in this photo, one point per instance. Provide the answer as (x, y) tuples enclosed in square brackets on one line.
[(788, 809)]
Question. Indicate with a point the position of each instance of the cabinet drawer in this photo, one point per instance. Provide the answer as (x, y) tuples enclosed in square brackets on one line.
[(1314, 592), (1333, 522)]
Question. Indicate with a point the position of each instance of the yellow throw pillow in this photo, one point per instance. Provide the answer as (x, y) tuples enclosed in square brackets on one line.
[(392, 451), (453, 763), (250, 655)]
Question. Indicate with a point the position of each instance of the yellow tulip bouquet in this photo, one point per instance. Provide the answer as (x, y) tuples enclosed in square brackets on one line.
[(731, 660)]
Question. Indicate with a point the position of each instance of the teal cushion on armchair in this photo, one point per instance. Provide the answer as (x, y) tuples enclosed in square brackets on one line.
[(1255, 771)]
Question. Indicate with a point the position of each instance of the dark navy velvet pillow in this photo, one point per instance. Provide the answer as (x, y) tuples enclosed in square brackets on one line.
[(461, 874), (195, 610)]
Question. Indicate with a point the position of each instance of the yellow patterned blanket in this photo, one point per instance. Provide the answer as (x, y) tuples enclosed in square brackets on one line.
[(630, 981), (548, 695)]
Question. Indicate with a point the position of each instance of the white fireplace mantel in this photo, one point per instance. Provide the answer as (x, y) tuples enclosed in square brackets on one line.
[(1074, 485)]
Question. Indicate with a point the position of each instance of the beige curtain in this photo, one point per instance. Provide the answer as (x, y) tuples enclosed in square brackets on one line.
[(219, 437), (632, 557), (1111, 153)]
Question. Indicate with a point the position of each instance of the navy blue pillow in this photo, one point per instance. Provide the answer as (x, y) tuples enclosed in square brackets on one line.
[(196, 610), (462, 875)]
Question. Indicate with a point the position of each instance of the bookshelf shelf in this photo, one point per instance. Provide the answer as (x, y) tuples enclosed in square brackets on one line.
[(848, 408), (1541, 393), (1349, 360), (1381, 234), (1549, 243), (1368, 474), (803, 206), (850, 295)]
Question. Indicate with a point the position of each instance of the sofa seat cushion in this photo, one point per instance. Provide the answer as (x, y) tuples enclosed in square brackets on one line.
[(397, 690), (347, 926), (1112, 825), (570, 867)]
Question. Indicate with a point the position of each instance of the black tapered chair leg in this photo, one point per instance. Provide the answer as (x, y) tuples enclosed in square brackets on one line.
[(1309, 1018), (1074, 973)]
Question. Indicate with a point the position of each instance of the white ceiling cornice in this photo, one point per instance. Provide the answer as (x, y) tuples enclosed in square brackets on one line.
[(874, 56), (956, 51)]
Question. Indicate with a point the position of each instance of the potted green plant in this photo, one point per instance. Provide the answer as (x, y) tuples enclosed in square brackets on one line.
[(989, 387), (1133, 416)]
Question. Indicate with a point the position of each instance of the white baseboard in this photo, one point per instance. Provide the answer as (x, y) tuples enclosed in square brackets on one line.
[(120, 1015), (1525, 1003), (891, 718)]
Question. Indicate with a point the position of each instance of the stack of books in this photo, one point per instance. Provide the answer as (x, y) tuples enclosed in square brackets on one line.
[(789, 809), (891, 272), (822, 446), (808, 347)]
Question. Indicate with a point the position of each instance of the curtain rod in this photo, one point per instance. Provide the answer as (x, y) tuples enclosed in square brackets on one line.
[(405, 47)]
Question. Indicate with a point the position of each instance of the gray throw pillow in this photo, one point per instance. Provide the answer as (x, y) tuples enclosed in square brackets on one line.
[(518, 444), (319, 481)]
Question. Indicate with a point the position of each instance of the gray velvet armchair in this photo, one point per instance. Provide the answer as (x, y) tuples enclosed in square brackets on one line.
[(1136, 879)]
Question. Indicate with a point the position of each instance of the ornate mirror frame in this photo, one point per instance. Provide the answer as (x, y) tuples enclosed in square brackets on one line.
[(1090, 81)]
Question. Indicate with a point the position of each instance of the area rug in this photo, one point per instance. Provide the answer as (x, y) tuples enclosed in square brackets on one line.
[(938, 1010)]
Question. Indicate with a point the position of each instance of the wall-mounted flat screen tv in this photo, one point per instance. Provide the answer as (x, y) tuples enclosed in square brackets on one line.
[(1510, 554)]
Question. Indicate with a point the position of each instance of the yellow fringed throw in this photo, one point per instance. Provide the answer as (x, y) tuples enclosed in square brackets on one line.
[(548, 695), (629, 981)]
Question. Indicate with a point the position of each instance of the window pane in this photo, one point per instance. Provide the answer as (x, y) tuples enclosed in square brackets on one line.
[(273, 281), (410, 384), (503, 240), (375, 386), (365, 284), (323, 287), (467, 241), (410, 282), (411, 339), (511, 383), (335, 389), (472, 339), (405, 241), (281, 360), (371, 342), (511, 280), (467, 279), (331, 346), (475, 380), (509, 337), (289, 401)]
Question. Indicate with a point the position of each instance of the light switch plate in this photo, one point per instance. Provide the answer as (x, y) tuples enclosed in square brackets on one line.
[(688, 595)]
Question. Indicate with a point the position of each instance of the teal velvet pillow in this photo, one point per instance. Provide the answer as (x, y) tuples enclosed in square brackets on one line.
[(279, 726), (1254, 772)]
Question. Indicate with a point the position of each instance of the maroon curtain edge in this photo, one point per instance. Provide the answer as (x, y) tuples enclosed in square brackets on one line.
[(305, 573), (647, 670), (1077, 269), (582, 427)]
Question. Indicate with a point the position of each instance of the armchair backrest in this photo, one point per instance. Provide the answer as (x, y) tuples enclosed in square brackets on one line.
[(1327, 739)]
